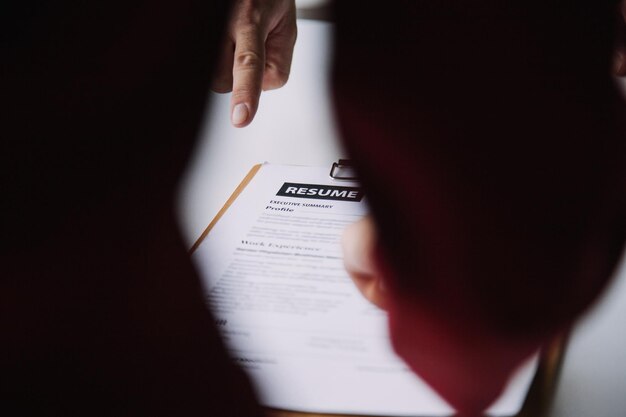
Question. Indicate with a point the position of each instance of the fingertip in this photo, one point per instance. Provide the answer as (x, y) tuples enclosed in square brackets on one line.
[(240, 116), (358, 245)]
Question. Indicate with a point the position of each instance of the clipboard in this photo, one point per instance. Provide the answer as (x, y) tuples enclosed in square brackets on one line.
[(242, 185), (342, 170), (543, 386)]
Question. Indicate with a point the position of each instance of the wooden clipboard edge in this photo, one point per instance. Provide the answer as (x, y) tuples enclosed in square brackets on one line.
[(227, 205), (540, 395)]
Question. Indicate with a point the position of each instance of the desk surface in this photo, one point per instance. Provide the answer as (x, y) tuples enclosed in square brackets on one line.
[(295, 125)]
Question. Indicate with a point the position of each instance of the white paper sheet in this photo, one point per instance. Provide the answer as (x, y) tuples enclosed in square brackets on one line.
[(292, 318)]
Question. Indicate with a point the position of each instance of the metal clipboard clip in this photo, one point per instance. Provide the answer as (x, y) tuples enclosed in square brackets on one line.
[(344, 170)]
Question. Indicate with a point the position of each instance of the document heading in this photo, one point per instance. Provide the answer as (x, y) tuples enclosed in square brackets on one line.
[(320, 192)]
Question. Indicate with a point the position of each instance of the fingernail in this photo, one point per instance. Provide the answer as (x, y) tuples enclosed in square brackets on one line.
[(240, 114)]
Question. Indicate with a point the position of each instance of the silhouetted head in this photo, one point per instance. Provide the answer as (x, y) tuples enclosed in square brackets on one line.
[(488, 135)]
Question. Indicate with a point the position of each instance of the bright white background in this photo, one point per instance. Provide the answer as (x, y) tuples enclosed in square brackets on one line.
[(294, 125)]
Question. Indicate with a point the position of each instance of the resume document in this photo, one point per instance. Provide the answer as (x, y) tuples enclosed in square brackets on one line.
[(274, 279)]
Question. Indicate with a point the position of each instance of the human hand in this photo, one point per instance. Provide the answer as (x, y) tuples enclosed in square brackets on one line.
[(359, 258), (256, 55)]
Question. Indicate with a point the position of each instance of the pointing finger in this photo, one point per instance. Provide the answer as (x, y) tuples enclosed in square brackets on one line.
[(248, 67)]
